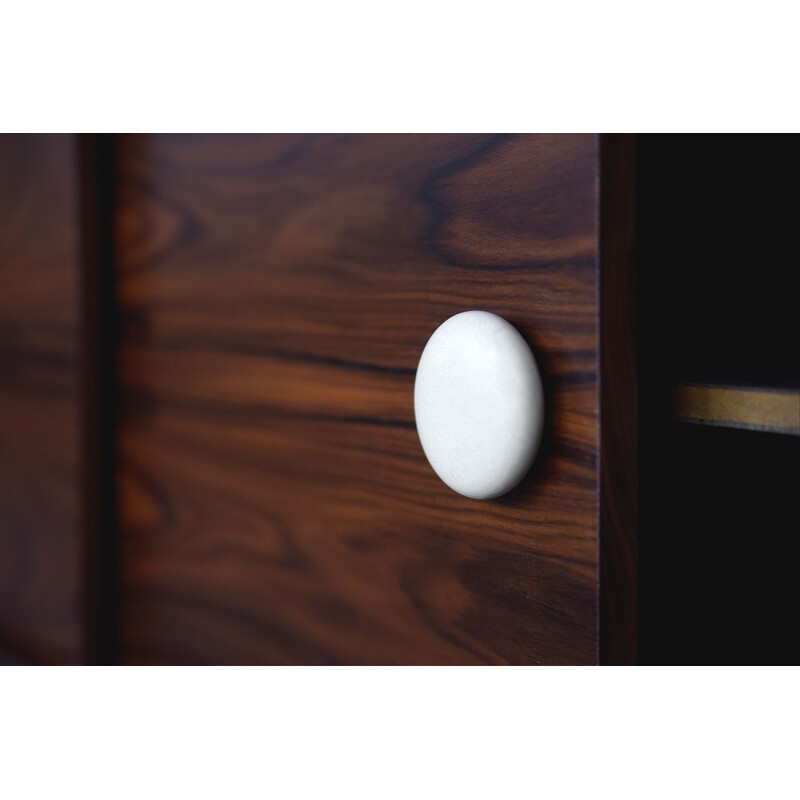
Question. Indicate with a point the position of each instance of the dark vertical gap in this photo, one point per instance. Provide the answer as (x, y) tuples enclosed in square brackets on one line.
[(102, 598), (619, 412)]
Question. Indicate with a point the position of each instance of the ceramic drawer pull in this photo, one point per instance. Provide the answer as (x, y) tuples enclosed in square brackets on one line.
[(479, 404)]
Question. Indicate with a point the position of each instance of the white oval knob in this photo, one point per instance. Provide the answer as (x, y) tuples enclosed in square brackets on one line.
[(479, 404)]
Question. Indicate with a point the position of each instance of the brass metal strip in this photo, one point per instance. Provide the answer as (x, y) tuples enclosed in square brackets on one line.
[(773, 410)]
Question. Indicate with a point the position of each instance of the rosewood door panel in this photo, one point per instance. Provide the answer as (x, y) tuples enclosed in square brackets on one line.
[(274, 296), (42, 544)]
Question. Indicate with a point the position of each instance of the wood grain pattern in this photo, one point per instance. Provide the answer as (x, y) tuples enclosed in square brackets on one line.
[(41, 531), (275, 293)]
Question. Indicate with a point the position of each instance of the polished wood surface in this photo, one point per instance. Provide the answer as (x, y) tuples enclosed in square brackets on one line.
[(41, 526), (275, 293)]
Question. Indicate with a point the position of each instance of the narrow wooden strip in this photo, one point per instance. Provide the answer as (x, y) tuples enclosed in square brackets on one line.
[(42, 565), (773, 410)]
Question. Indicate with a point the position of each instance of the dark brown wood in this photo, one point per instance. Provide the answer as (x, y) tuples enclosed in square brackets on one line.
[(41, 522), (619, 411), (275, 293)]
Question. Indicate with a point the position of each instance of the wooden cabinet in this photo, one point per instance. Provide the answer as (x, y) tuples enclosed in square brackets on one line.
[(271, 296)]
